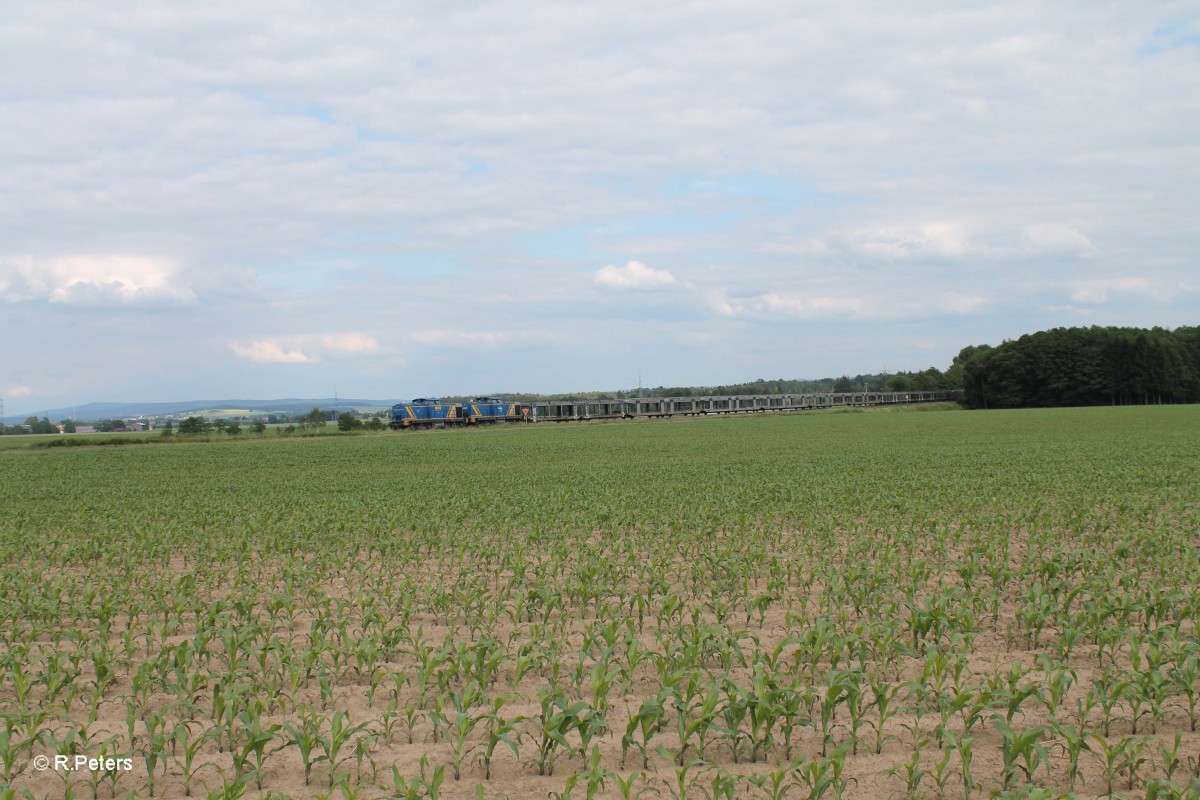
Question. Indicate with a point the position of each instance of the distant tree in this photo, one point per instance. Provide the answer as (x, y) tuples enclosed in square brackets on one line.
[(375, 424), (843, 384), (956, 374), (194, 426), (316, 418), (68, 425), (43, 425), (168, 430), (258, 426), (221, 425), (233, 428), (928, 381), (348, 422)]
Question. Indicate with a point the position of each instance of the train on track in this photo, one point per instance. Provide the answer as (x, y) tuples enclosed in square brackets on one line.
[(429, 412)]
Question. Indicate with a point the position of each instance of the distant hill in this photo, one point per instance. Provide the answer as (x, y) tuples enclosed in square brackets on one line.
[(113, 410)]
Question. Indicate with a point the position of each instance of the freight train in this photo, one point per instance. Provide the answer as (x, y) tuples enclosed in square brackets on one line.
[(428, 412)]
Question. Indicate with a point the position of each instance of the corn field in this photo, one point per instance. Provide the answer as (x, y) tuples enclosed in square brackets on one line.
[(831, 605)]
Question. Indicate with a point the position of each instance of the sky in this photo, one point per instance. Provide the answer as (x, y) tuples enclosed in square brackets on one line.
[(388, 200)]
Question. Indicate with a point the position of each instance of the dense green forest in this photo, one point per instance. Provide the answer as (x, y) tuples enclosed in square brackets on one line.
[(1083, 367)]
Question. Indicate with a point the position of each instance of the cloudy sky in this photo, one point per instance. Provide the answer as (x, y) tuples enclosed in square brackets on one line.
[(287, 199)]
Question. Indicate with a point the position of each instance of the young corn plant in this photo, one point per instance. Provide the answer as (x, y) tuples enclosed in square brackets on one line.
[(792, 705), (1123, 755), (853, 681), (559, 717), (1021, 750), (251, 758), (883, 701), (686, 776), (964, 746), (1186, 679), (592, 723), (838, 689), (734, 711), (1107, 692), (1073, 741), (154, 747), (911, 771), (305, 737), (594, 778), (14, 750), (1059, 679), (426, 785), (603, 676), (763, 710), (1009, 689), (941, 772), (459, 727), (777, 783), (335, 740), (228, 790), (649, 720), (628, 789), (364, 751), (1169, 756), (499, 730), (822, 775), (1156, 686), (187, 749)]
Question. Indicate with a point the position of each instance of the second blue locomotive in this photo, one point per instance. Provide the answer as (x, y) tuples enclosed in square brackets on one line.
[(430, 412)]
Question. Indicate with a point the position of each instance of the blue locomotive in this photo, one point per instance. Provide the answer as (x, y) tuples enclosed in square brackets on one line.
[(430, 412)]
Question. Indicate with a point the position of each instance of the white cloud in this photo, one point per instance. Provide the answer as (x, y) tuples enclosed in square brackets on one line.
[(1054, 238), (901, 243), (634, 275), (350, 342), (801, 305), (961, 304), (786, 304), (306, 348), (18, 391), (1101, 289), (1067, 310), (108, 280), (269, 351), (461, 338)]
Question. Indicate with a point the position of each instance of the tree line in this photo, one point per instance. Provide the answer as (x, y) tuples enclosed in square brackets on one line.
[(312, 421), (1083, 367)]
